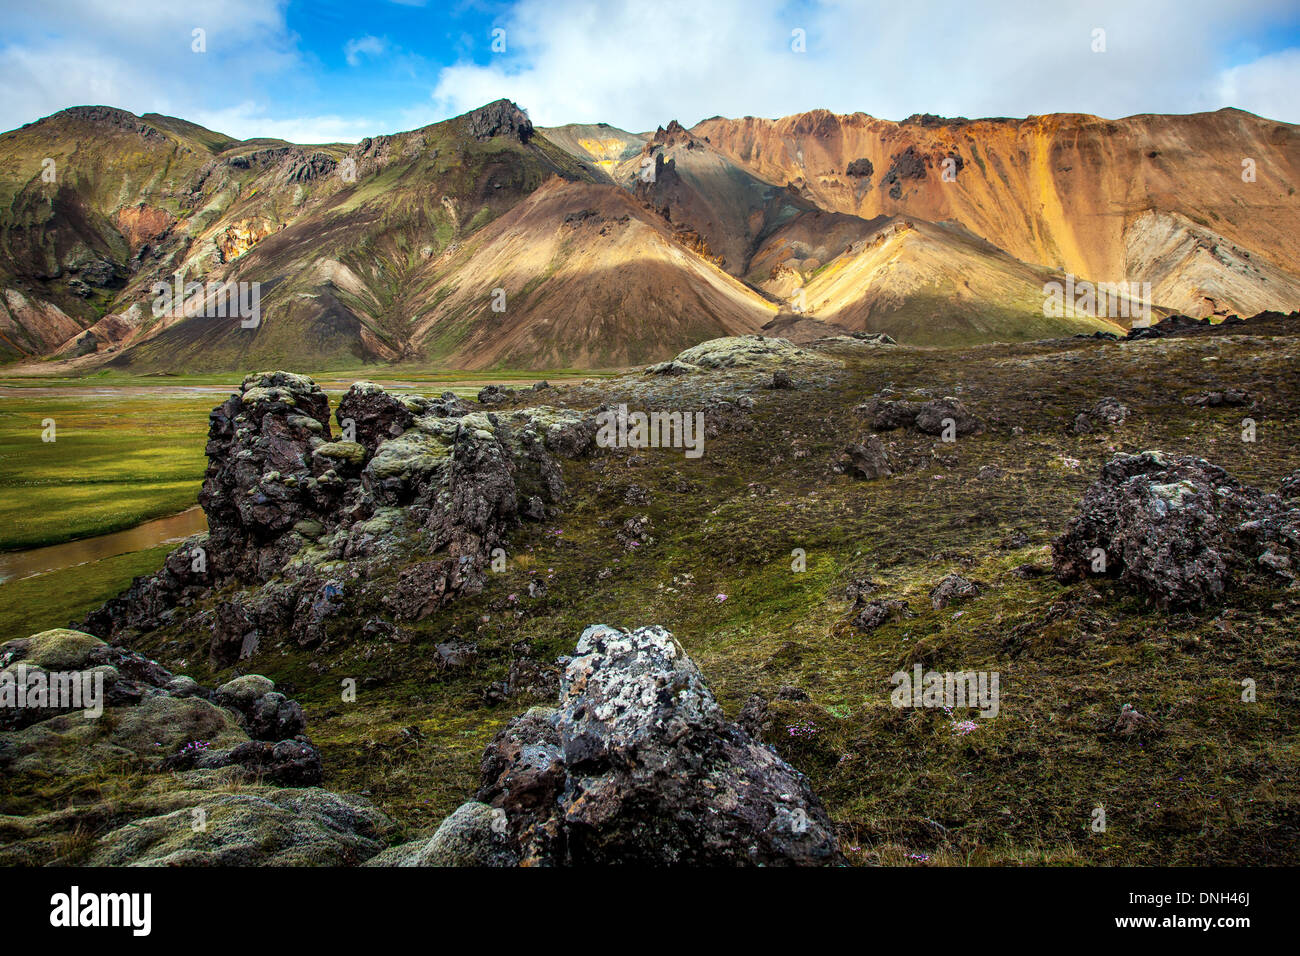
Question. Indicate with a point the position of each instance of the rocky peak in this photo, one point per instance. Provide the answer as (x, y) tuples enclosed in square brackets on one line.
[(111, 116), (673, 135), (502, 118)]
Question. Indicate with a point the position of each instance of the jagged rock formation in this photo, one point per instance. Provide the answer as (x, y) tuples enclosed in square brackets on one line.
[(1180, 531), (500, 118), (636, 765), (414, 503)]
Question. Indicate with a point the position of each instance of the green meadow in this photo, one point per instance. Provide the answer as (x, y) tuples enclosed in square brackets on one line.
[(116, 460), (128, 449)]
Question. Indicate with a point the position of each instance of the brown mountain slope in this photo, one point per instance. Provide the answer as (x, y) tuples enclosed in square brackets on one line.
[(749, 226), (1065, 190), (929, 284), (591, 279), (390, 249), (601, 146)]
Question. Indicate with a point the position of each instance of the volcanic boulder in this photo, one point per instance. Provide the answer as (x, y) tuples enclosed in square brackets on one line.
[(1109, 412), (952, 588), (1178, 530), (867, 459), (1219, 397), (638, 765), (869, 615), (934, 417)]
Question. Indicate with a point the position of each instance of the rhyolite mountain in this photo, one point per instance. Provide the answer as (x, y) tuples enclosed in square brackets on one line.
[(484, 242)]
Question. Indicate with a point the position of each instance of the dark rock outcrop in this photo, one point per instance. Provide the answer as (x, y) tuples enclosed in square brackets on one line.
[(859, 168), (866, 459), (373, 416), (414, 501), (869, 615), (1180, 531), (501, 118), (637, 765), (1234, 397), (952, 588), (1109, 412), (930, 417)]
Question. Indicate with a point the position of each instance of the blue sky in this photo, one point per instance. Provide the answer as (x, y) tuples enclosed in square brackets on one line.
[(338, 71)]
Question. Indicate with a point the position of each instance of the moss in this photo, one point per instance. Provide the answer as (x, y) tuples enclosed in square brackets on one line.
[(415, 451), (1214, 786), (60, 649), (346, 451)]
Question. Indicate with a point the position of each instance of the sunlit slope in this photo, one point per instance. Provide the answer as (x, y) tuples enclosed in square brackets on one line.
[(601, 146), (341, 282), (929, 284), (590, 279), (1063, 190)]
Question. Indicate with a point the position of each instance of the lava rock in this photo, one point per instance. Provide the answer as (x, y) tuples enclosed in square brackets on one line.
[(1177, 530), (638, 765), (1109, 412), (1226, 397), (867, 459), (952, 588), (872, 614), (375, 415), (500, 118)]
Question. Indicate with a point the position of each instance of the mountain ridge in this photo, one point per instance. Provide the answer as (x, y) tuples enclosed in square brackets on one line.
[(360, 249)]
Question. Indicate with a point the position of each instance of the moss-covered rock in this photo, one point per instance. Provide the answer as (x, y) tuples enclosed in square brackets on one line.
[(347, 452), (749, 350), (264, 827), (59, 649), (474, 835)]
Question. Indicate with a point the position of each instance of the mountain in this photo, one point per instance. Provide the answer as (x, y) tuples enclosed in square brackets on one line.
[(612, 248), (937, 284), (590, 278), (1147, 198)]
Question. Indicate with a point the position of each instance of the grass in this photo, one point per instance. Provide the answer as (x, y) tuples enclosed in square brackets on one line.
[(58, 598), (1216, 784), (130, 455), (113, 463)]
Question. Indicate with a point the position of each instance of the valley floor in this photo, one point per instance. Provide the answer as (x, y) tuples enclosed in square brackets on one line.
[(718, 562)]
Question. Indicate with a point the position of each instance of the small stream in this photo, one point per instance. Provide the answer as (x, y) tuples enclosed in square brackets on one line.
[(16, 565)]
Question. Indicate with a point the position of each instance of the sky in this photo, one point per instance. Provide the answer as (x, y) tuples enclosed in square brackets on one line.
[(331, 71)]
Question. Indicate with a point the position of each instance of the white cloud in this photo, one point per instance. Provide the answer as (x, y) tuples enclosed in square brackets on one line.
[(640, 63), (637, 64), (138, 56), (1266, 86), (249, 120), (370, 46)]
